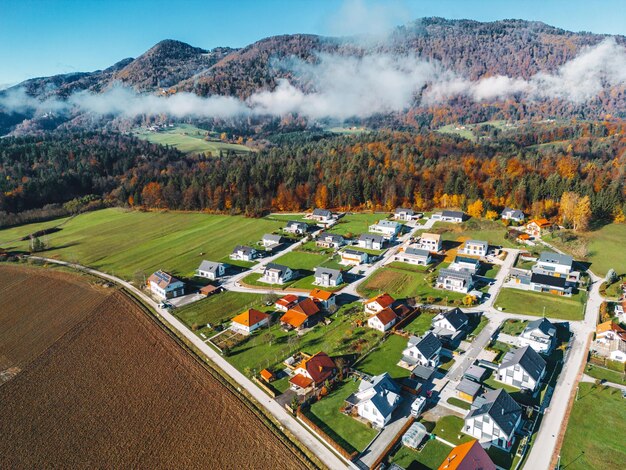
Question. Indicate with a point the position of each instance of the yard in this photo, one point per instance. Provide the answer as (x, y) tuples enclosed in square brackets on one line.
[(133, 244), (345, 430), (357, 223), (430, 457), (514, 327), (533, 303), (421, 324), (304, 263), (385, 359), (491, 231), (596, 429), (449, 428), (602, 373)]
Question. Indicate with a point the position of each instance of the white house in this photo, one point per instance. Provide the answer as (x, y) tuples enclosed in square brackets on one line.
[(402, 213), (165, 286), (415, 256), (539, 334), (422, 351), (387, 228), (522, 368), (475, 247), (383, 320), (554, 264), (450, 325), (244, 253), (493, 419), (271, 240), (371, 241), (296, 227), (512, 214), (376, 399), (449, 216), (249, 321), (276, 274), (430, 242), (327, 277), (620, 311), (330, 240), (465, 263), (322, 215), (210, 270), (456, 281), (353, 257), (378, 303), (324, 298)]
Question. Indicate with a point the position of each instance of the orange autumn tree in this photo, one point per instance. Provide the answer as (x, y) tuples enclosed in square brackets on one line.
[(476, 209), (152, 195)]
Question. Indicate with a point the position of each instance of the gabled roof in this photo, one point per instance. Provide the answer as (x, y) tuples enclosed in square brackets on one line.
[(428, 344), (209, 266), (276, 267), (307, 307), (512, 212), (455, 317), (384, 300), (541, 324), (541, 223), (417, 252), (332, 273), (468, 456), (163, 279), (301, 381), (463, 275), (320, 294), (244, 249), (400, 210), (208, 289), (297, 223), (372, 237), (611, 326), (335, 237), (528, 359), (266, 374), (556, 258), (547, 280), (273, 238), (381, 391), (250, 317), (386, 316), (299, 313), (322, 212), (319, 366), (455, 214), (500, 407), (287, 300)]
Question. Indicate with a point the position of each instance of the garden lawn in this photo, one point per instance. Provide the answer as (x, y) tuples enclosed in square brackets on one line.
[(533, 303), (449, 428), (386, 358), (357, 223), (460, 403), (125, 242), (602, 373), (478, 327), (491, 231), (346, 431), (514, 327), (421, 324), (431, 456), (217, 308), (595, 431)]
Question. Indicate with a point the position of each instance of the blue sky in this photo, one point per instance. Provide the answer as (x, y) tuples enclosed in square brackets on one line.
[(46, 37)]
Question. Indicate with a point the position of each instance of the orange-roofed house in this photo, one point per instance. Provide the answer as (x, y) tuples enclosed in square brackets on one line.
[(267, 375), (378, 303), (322, 297), (537, 227), (610, 331), (285, 303), (313, 372), (468, 456), (302, 315), (383, 320), (250, 320)]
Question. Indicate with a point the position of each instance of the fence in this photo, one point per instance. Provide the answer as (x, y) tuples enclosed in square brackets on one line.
[(330, 441), (393, 443)]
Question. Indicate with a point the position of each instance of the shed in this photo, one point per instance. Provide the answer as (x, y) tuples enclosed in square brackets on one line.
[(468, 390), (414, 436), (475, 373)]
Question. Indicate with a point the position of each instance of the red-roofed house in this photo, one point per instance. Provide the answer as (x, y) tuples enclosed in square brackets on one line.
[(468, 456), (383, 320), (378, 303), (312, 372), (285, 303), (302, 315), (536, 227)]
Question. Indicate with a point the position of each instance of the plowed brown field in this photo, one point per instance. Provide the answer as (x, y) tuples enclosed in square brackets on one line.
[(115, 391)]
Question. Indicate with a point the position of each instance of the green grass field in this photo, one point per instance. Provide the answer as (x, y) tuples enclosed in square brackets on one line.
[(125, 242), (533, 303), (357, 223), (421, 324), (189, 139), (602, 373), (491, 231), (348, 432), (471, 131), (431, 456), (386, 358), (454, 401), (449, 428), (217, 308), (595, 431), (513, 327)]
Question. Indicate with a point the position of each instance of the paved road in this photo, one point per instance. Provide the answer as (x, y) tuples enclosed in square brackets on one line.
[(286, 419)]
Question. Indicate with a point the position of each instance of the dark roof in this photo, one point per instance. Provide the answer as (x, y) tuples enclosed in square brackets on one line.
[(322, 212), (332, 273), (370, 236), (551, 281), (543, 325), (428, 344), (528, 359), (277, 267), (469, 387), (453, 214), (466, 259), (500, 407), (475, 372), (456, 318), (354, 252), (297, 223), (513, 212), (422, 372), (557, 258), (273, 237), (464, 275), (245, 249), (333, 236), (209, 266), (417, 252), (404, 209)]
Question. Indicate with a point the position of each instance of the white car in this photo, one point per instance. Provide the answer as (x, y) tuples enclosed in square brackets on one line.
[(417, 406)]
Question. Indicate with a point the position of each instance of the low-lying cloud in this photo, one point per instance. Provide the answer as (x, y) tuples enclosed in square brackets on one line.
[(341, 87)]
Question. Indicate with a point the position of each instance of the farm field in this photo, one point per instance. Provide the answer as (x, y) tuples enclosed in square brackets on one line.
[(595, 431), (189, 139), (125, 242), (117, 389), (533, 303)]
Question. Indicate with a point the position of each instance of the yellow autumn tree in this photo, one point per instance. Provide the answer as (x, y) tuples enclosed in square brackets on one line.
[(582, 215), (476, 209), (491, 215)]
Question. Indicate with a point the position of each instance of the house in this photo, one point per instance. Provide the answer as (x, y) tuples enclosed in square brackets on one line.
[(378, 303), (609, 331), (387, 228), (312, 372), (376, 399), (371, 241), (468, 456), (330, 240), (512, 214), (449, 216), (455, 281), (465, 263), (244, 253), (271, 240), (522, 368), (475, 247), (450, 326), (554, 264), (276, 274), (383, 320), (430, 242), (551, 284), (468, 390), (327, 277), (402, 213), (249, 321), (540, 335), (210, 270), (415, 256), (620, 311), (267, 375), (493, 419), (165, 286), (286, 302), (422, 351), (302, 315), (324, 298), (353, 257), (537, 227), (322, 215), (296, 227), (610, 341)]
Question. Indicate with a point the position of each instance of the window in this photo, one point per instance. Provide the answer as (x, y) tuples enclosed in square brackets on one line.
[(516, 367)]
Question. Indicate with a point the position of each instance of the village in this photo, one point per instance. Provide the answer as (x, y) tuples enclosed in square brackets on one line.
[(462, 371)]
